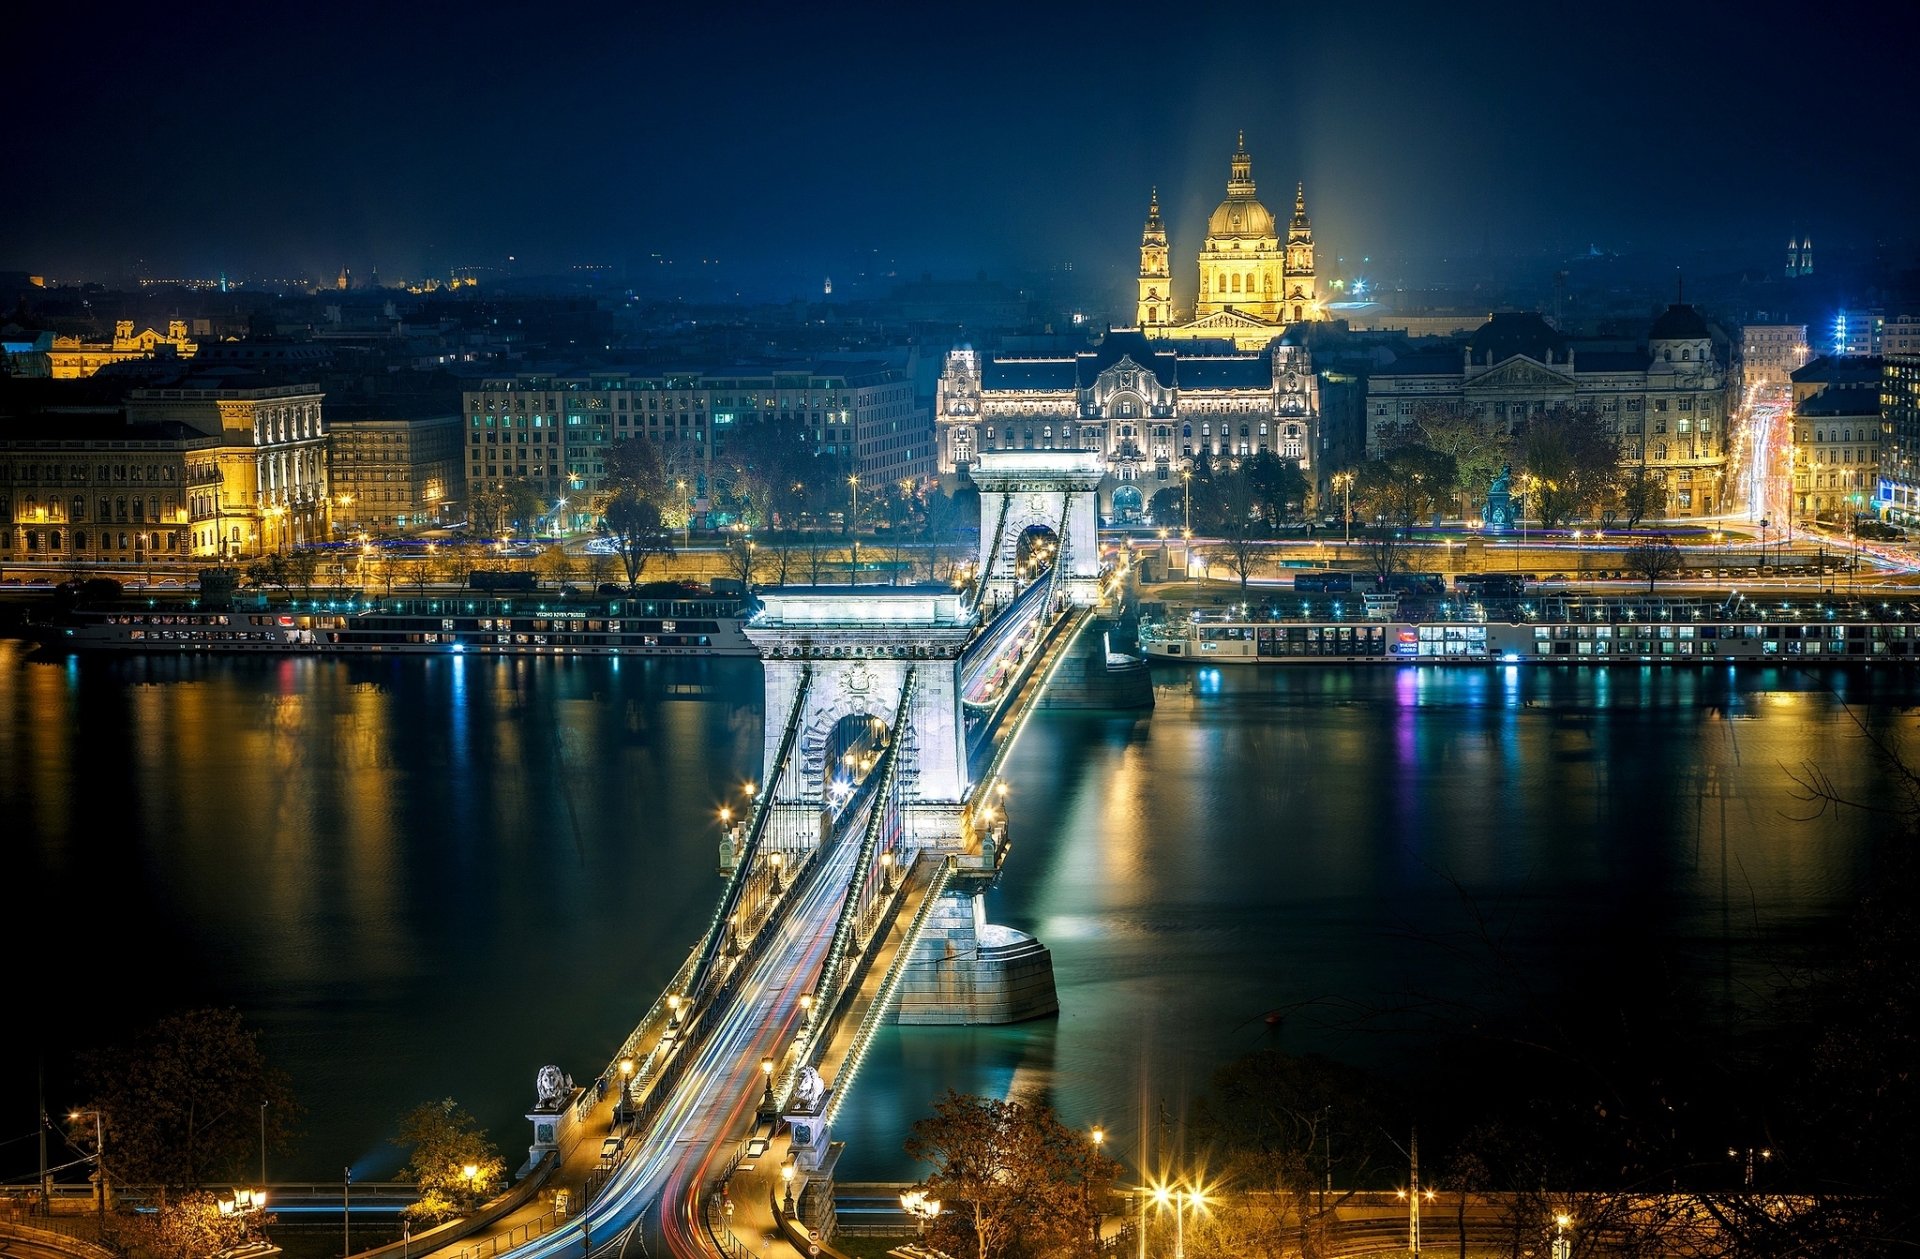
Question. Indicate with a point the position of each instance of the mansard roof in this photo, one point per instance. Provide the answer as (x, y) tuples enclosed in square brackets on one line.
[(1517, 332), (1253, 371), (1851, 404), (1030, 373), (1841, 369)]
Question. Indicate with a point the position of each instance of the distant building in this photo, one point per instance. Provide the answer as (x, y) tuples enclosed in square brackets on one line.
[(1151, 406), (28, 353), (553, 431), (215, 468), (71, 358), (1900, 335), (266, 490), (1770, 354), (1836, 374), (87, 487), (1799, 256), (1667, 399), (1836, 454), (1898, 493), (1254, 279), (392, 467), (1857, 333)]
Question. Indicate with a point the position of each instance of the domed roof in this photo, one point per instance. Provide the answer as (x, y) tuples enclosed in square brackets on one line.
[(1680, 323), (1241, 218)]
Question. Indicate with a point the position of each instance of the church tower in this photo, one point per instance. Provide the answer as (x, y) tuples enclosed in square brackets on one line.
[(1302, 293), (1152, 313), (1240, 261)]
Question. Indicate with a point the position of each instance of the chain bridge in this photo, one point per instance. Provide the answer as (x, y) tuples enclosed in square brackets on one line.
[(852, 893)]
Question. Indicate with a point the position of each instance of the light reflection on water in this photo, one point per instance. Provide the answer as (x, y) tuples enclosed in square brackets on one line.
[(429, 877)]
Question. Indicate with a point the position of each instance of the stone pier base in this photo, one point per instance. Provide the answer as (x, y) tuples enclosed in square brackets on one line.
[(967, 970)]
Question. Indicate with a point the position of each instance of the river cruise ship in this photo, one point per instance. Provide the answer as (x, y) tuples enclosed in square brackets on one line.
[(1582, 630), (426, 625)]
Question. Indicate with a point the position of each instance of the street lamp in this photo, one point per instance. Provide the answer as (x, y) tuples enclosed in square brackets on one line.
[(1186, 495), (853, 524), (922, 1208), (766, 1096), (1749, 1155), (786, 1178), (99, 1157), (1099, 1135), (1181, 1198), (1561, 1246), (1345, 481)]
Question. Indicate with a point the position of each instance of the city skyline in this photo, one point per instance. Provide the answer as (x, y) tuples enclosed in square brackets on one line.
[(783, 149)]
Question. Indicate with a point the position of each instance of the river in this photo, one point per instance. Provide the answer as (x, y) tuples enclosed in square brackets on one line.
[(427, 877)]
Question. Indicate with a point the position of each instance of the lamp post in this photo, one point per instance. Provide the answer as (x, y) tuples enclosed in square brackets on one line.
[(767, 1102), (1345, 481), (1186, 496), (922, 1208), (1180, 1197), (853, 525), (99, 1159), (1561, 1246), (786, 1179), (1099, 1139), (1749, 1155)]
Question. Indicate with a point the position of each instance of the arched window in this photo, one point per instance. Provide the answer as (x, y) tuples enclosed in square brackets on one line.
[(1297, 316), (1236, 284), (53, 540), (1669, 356), (80, 540), (1153, 314), (79, 509), (1223, 283), (1686, 356), (1250, 287), (1660, 452)]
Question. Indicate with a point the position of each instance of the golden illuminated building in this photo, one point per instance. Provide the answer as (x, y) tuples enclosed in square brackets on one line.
[(1253, 280), (74, 359)]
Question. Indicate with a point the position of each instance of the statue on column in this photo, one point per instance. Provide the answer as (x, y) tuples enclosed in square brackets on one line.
[(1498, 513)]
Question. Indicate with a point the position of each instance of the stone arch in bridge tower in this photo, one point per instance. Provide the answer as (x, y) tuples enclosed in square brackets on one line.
[(1057, 489), (854, 647)]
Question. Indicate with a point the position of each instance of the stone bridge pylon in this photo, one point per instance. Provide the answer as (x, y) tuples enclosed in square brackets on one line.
[(830, 653), (1053, 489)]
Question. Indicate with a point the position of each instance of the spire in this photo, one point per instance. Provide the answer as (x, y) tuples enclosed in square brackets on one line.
[(1300, 223), (1240, 182), (1153, 208)]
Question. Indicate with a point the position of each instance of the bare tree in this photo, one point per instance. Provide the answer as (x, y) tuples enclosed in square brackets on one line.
[(1653, 558)]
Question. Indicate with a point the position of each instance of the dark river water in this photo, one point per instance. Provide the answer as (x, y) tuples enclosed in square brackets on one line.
[(426, 878)]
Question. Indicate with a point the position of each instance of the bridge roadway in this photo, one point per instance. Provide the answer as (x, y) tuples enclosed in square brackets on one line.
[(697, 1138)]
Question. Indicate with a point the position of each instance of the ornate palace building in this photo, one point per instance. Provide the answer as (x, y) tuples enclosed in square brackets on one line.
[(1149, 406), (1253, 281)]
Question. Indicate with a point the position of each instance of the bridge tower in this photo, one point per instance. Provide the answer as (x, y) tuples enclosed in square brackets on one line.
[(851, 649), (1057, 489), (829, 653)]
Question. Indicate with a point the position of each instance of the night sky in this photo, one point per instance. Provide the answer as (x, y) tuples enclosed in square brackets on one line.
[(806, 140)]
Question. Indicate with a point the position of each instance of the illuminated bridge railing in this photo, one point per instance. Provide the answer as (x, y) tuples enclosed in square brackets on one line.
[(743, 870)]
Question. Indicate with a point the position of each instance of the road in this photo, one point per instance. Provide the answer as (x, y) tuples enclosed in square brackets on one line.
[(711, 1107)]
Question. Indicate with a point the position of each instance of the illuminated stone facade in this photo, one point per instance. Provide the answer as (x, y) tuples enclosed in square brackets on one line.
[(74, 359), (93, 489), (1253, 279), (1668, 402), (389, 473), (266, 490), (1770, 354), (1149, 407)]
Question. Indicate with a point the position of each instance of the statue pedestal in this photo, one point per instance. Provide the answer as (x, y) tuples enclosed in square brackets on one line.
[(555, 1130)]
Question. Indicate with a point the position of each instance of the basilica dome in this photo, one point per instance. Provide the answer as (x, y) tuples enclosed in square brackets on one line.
[(1241, 218)]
